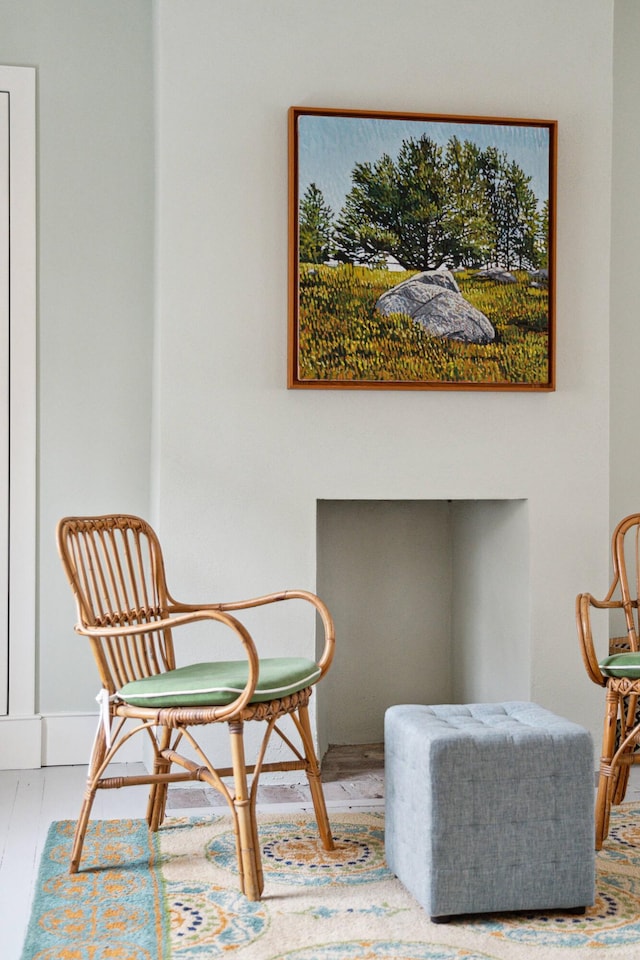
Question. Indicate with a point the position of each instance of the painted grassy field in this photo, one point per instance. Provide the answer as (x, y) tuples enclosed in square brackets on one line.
[(342, 337)]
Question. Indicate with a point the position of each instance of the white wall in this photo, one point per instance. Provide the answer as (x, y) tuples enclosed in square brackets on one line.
[(238, 461), (95, 290), (96, 310), (625, 212)]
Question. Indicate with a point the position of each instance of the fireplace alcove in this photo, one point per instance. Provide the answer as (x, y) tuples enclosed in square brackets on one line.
[(431, 605)]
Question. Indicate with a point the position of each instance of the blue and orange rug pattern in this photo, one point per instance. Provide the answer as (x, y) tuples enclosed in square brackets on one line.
[(174, 896)]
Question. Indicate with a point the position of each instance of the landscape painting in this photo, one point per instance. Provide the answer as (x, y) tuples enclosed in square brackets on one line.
[(421, 251)]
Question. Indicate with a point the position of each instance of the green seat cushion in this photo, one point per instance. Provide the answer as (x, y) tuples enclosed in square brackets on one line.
[(622, 665), (217, 684)]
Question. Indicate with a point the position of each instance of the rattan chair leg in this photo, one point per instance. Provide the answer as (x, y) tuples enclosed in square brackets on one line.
[(257, 847), (620, 783), (97, 758), (158, 793), (315, 783), (157, 803), (602, 805), (606, 781), (81, 829), (628, 708), (249, 865)]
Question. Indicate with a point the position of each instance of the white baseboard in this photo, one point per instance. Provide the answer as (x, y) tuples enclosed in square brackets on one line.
[(54, 740), (20, 742), (67, 739)]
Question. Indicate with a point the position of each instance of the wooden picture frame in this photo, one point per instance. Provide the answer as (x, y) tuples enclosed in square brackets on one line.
[(421, 251)]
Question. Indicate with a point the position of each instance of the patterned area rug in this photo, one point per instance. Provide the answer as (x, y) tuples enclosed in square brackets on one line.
[(174, 896)]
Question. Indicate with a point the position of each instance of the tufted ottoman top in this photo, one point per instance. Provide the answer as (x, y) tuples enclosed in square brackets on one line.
[(473, 737), (486, 720)]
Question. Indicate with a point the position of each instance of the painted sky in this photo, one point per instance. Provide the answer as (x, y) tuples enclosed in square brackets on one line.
[(330, 146)]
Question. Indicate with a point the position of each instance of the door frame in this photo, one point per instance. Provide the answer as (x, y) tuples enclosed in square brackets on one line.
[(20, 745)]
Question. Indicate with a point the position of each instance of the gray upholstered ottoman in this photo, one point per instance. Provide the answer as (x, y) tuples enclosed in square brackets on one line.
[(489, 808)]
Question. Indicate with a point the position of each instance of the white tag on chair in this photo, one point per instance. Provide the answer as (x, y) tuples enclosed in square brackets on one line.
[(103, 699)]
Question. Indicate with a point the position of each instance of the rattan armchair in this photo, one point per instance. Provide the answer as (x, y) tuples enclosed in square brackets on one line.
[(115, 567), (618, 671)]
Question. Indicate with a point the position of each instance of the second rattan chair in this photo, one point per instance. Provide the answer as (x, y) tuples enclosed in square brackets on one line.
[(618, 671), (115, 567)]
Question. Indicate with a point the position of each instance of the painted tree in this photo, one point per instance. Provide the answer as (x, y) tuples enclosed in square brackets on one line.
[(457, 205), (514, 215), (543, 237), (396, 208), (315, 227), (468, 224)]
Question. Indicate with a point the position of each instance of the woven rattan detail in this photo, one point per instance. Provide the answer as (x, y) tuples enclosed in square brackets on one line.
[(175, 717)]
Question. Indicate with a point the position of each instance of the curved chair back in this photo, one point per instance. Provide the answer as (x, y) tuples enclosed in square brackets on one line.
[(625, 546), (115, 567)]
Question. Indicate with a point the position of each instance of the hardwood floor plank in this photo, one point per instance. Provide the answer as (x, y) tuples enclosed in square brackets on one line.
[(8, 794), (20, 861)]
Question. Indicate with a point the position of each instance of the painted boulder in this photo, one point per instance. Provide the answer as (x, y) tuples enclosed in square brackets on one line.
[(433, 299)]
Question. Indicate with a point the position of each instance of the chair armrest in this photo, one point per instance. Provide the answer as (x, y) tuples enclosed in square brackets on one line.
[(327, 621), (194, 615), (584, 603)]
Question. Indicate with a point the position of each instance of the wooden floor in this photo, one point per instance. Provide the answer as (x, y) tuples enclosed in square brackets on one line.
[(31, 799)]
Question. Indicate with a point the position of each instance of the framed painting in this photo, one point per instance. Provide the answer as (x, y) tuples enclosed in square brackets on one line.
[(421, 251)]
